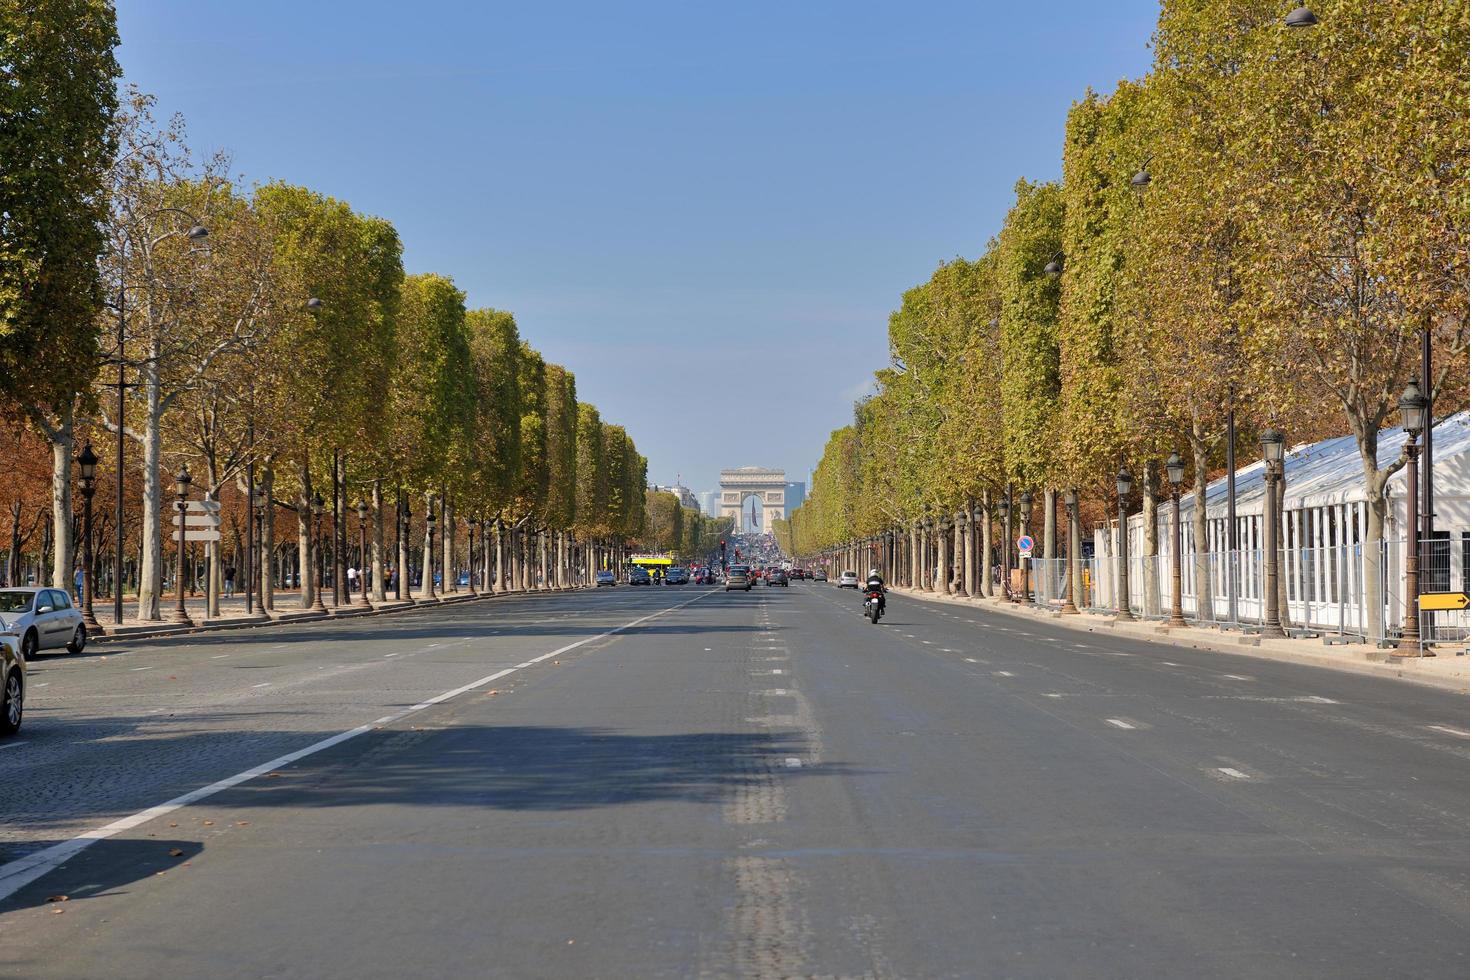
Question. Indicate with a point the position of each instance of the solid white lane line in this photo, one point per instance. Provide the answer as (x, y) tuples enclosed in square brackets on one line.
[(1235, 677), (219, 656), (1446, 729), (1165, 663), (1316, 699), (265, 684), (140, 668), (793, 763), (1233, 773), (11, 744), (16, 874), (1120, 723), (389, 656), (1003, 673)]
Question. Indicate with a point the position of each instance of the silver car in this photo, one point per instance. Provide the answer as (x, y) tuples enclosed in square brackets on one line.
[(847, 580), (12, 685), (41, 619)]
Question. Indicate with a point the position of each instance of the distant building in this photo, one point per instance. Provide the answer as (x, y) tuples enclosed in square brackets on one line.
[(709, 502), (686, 498), (795, 495)]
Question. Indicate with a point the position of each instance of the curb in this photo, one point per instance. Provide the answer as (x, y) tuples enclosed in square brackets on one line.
[(165, 630), (1204, 642)]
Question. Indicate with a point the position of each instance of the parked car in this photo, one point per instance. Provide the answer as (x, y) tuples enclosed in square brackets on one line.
[(676, 575), (606, 577), (777, 577), (819, 575), (41, 619), (738, 578), (847, 580), (639, 576), (12, 685)]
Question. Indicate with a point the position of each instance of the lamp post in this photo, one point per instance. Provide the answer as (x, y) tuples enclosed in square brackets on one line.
[(1025, 561), (429, 555), (1273, 448), (362, 561), (1412, 407), (1125, 484), (403, 582), (181, 491), (1074, 560), (318, 556), (87, 464), (472, 555), (1175, 468)]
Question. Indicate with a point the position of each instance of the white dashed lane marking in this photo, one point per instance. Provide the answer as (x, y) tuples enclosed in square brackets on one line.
[(1120, 723), (1447, 730), (1232, 773)]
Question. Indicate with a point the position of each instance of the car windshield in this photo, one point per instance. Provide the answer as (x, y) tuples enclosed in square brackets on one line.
[(15, 601)]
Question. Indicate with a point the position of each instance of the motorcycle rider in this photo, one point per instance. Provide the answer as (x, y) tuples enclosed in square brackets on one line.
[(875, 584)]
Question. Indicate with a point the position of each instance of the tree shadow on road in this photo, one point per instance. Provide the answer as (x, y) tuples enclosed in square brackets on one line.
[(532, 768), (102, 869)]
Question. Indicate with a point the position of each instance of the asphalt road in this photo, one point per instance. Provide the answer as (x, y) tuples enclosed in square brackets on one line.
[(730, 785)]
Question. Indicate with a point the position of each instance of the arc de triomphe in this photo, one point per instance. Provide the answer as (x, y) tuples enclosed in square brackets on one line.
[(769, 486)]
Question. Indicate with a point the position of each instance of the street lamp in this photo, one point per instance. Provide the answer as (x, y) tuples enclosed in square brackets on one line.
[(362, 561), (317, 506), (1025, 562), (1140, 180), (1053, 269), (1273, 449), (1413, 408), (1125, 484), (429, 554), (1301, 17), (1175, 468), (181, 490), (1074, 558), (87, 464)]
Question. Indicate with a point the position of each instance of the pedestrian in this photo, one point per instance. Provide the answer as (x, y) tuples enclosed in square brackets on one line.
[(351, 580), (77, 582), (229, 581)]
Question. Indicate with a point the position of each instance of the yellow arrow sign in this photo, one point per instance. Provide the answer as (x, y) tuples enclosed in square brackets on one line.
[(1434, 601)]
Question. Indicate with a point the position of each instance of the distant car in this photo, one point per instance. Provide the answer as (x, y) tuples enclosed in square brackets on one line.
[(847, 580), (819, 575), (676, 576), (41, 619), (777, 577), (639, 576), (798, 573), (12, 685), (738, 578), (606, 577)]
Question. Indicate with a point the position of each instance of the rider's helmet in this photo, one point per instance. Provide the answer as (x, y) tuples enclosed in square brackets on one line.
[(872, 573)]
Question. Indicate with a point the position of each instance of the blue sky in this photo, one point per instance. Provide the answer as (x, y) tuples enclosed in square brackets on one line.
[(706, 211)]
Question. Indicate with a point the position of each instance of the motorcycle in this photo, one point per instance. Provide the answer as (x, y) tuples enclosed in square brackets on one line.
[(873, 605)]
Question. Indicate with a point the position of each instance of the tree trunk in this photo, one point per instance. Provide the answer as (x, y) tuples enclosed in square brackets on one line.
[(987, 547), (305, 553), (268, 540), (969, 546), (942, 560), (150, 575), (1199, 524), (1150, 540), (61, 510), (1049, 544), (500, 582), (1074, 555), (426, 574), (451, 571), (380, 591)]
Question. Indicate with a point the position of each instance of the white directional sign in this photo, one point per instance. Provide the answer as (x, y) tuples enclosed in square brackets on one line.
[(197, 534)]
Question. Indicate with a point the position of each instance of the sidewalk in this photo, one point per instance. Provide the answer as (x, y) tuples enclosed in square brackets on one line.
[(287, 610), (1446, 671)]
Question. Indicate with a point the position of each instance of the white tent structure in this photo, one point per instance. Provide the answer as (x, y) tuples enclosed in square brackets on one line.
[(1324, 561)]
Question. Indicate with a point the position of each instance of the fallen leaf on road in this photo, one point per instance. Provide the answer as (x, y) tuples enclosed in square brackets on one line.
[(242, 823), (491, 693), (272, 775), (175, 852), (173, 825), (57, 911), (58, 898), (209, 823)]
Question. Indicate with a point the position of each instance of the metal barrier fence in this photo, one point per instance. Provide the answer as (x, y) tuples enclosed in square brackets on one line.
[(1321, 590)]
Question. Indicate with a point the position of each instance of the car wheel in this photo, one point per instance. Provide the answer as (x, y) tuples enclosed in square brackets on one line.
[(12, 704), (29, 645), (78, 639)]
